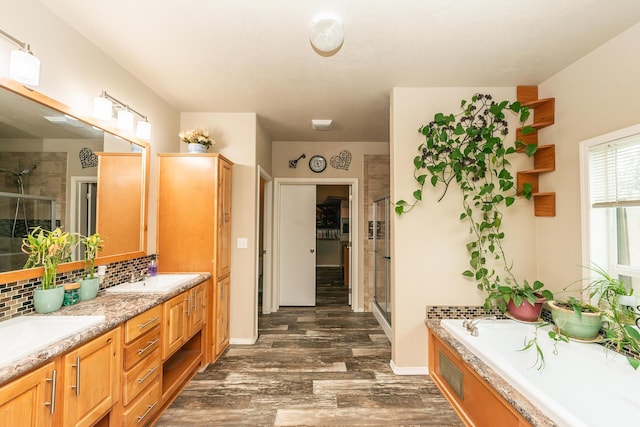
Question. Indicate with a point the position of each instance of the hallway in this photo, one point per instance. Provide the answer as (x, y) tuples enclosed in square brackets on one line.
[(311, 366)]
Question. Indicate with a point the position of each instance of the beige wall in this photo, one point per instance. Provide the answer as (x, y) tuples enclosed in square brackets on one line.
[(74, 71), (263, 148), (235, 136), (428, 244), (595, 95), (285, 151)]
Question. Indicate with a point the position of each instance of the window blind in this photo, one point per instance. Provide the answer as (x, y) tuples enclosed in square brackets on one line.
[(614, 170)]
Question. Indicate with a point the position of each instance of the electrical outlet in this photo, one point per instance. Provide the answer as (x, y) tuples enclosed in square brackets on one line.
[(243, 243)]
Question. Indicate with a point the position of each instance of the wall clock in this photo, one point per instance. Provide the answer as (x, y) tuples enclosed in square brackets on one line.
[(317, 163)]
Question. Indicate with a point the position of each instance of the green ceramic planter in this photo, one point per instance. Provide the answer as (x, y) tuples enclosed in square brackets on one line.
[(46, 301), (88, 288), (585, 327)]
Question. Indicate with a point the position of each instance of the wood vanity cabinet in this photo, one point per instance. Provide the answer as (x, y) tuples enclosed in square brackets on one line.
[(183, 316), (92, 379), (142, 362), (33, 399), (194, 231)]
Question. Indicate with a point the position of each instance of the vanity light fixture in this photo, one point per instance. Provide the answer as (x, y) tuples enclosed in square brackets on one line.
[(24, 66), (103, 110), (125, 120), (143, 129), (326, 32)]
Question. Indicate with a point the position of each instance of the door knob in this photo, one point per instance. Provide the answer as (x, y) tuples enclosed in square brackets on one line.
[(312, 250)]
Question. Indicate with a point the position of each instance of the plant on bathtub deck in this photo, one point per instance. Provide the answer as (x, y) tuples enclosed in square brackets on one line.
[(532, 342), (618, 333), (469, 150)]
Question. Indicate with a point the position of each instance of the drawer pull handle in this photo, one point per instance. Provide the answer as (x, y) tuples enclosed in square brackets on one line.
[(149, 322), (151, 344), (54, 381), (147, 375), (149, 409), (77, 366)]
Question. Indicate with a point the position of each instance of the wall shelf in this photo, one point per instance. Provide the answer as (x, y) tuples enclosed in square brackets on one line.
[(544, 159)]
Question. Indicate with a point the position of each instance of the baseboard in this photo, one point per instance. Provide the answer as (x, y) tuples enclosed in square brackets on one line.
[(243, 341), (413, 370)]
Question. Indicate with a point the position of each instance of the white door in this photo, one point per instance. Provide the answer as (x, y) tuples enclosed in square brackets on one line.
[(297, 245)]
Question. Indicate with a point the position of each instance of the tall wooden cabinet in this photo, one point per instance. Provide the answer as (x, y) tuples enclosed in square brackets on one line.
[(194, 231)]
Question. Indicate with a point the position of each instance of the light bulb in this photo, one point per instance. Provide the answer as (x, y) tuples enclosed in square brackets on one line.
[(143, 130), (125, 120), (24, 68), (102, 108)]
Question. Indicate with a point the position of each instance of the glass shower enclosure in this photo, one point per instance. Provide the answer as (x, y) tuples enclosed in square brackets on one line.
[(381, 257), (19, 213)]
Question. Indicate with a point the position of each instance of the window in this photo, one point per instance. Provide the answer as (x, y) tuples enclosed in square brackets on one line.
[(612, 207)]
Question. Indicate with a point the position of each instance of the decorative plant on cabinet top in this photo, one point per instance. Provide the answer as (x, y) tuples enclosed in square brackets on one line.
[(468, 149)]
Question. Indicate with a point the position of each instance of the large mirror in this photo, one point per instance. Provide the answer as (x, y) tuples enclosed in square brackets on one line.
[(49, 177)]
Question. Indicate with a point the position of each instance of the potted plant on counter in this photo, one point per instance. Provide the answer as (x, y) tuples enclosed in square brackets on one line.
[(47, 249), (90, 282), (469, 150)]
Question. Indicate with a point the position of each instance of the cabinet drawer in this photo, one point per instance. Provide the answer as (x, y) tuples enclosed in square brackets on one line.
[(142, 323), (139, 378), (144, 409), (141, 348)]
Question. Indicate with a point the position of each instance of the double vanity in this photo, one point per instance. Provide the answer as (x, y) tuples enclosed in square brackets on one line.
[(117, 360)]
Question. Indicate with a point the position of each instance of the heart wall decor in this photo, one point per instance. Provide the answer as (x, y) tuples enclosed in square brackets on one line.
[(88, 158), (341, 161)]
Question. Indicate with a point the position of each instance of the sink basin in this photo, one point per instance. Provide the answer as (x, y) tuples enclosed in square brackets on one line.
[(28, 334), (160, 284)]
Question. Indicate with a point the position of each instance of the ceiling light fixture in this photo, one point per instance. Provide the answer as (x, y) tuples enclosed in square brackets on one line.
[(103, 110), (326, 32), (24, 66), (321, 124)]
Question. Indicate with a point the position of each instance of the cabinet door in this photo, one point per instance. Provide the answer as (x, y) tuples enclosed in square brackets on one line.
[(186, 202), (92, 375), (120, 203), (222, 315), (174, 324), (198, 301), (224, 223), (30, 400)]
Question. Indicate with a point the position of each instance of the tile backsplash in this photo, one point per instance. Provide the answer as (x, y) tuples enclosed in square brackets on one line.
[(16, 298)]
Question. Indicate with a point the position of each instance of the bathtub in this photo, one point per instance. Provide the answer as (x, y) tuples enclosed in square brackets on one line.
[(583, 385)]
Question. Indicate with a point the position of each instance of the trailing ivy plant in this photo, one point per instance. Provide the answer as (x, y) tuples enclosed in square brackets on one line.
[(468, 150)]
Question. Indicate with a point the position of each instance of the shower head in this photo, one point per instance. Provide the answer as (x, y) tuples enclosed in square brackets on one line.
[(27, 171)]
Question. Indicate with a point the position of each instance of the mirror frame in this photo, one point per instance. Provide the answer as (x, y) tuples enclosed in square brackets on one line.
[(32, 95)]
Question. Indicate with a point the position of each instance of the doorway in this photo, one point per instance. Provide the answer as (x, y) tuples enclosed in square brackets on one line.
[(332, 245), (82, 213), (327, 224)]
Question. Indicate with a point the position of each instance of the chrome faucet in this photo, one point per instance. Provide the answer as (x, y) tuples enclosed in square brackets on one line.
[(138, 276), (471, 325)]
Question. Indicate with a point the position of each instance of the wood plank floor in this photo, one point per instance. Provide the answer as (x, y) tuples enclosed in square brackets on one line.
[(315, 366)]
